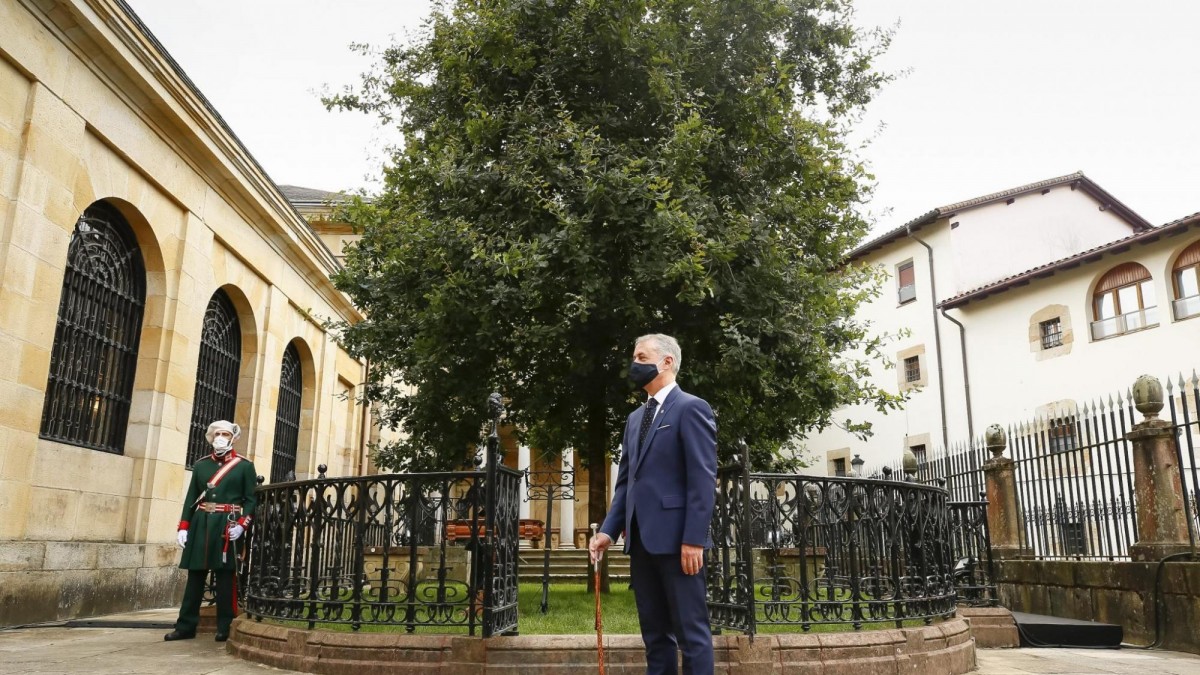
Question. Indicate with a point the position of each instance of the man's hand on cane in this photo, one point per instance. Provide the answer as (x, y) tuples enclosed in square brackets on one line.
[(598, 545)]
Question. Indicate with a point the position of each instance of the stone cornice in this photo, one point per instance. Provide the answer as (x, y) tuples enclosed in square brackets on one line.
[(206, 142)]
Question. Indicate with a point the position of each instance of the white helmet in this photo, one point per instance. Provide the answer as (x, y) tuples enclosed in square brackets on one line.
[(220, 448)]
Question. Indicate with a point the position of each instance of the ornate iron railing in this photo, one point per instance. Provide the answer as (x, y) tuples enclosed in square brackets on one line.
[(412, 550), (424, 550), (806, 550), (971, 550)]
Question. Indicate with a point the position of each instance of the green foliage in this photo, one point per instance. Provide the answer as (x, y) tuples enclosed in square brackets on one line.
[(576, 173)]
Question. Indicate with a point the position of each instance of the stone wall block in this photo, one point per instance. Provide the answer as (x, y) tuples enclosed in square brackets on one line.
[(14, 503), (120, 556), (19, 556), (992, 627), (92, 592), (159, 587), (28, 597), (160, 555), (70, 555)]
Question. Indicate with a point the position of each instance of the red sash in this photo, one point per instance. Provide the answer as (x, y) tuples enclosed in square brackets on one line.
[(223, 471)]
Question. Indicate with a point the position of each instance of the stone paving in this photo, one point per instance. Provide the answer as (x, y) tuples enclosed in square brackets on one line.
[(141, 651)]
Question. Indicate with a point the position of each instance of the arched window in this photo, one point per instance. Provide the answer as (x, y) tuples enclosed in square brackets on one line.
[(217, 375), (1186, 280), (287, 416), (95, 347), (1123, 302)]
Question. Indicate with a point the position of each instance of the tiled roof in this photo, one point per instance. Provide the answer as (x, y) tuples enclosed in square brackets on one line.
[(310, 196), (1100, 194), (1088, 256)]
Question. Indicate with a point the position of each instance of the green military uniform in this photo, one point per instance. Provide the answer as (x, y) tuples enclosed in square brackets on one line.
[(206, 531), (208, 512)]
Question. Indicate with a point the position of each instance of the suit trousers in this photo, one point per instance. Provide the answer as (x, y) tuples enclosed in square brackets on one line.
[(672, 611), (193, 595)]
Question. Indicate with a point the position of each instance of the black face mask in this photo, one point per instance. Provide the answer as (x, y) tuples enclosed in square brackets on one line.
[(642, 374)]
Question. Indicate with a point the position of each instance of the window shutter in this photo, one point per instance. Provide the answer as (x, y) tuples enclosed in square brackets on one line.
[(1189, 257), (1122, 275)]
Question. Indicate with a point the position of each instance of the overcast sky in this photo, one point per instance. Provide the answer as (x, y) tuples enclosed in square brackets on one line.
[(992, 95)]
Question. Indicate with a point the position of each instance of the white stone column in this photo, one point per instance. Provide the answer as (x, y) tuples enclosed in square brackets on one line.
[(523, 509), (567, 507), (612, 483), (522, 464)]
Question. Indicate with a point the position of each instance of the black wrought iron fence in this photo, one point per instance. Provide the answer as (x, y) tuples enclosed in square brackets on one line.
[(424, 550), (1183, 402), (1074, 473), (971, 550), (415, 550), (807, 550), (959, 470)]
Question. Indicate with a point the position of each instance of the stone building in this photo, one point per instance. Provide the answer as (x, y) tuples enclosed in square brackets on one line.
[(152, 278)]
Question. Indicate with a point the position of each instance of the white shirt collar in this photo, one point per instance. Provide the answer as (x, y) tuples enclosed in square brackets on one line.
[(661, 396)]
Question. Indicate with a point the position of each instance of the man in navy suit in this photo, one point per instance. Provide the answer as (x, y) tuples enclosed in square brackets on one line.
[(663, 502)]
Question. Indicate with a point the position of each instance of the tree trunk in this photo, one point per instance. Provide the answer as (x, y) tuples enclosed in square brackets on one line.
[(598, 463)]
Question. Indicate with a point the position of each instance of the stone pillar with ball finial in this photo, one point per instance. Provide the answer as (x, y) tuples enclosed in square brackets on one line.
[(1003, 511), (1162, 525)]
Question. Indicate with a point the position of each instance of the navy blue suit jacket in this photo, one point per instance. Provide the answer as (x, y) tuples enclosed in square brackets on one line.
[(670, 482)]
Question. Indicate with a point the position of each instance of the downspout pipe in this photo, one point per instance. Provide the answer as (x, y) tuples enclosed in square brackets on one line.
[(937, 338), (962, 339)]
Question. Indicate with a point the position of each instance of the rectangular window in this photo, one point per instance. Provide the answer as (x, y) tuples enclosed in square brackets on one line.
[(1051, 333), (839, 467), (1187, 290), (912, 369), (1061, 435), (919, 452), (1074, 541), (906, 282), (1187, 281), (1106, 305)]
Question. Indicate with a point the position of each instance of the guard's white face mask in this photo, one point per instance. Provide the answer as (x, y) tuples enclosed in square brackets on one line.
[(222, 445)]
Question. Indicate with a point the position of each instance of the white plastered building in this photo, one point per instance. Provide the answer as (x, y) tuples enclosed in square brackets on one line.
[(1018, 304)]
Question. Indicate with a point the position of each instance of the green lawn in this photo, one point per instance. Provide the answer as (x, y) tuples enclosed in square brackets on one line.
[(572, 611)]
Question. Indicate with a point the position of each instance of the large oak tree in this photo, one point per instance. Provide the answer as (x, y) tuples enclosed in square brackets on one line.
[(576, 173)]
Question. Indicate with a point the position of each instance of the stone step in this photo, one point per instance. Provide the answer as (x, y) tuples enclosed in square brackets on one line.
[(561, 568), (569, 578)]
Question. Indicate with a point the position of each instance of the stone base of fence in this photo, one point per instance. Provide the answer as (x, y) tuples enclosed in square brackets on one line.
[(1119, 593), (992, 627), (946, 648)]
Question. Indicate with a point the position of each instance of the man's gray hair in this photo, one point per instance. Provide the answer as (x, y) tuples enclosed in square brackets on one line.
[(666, 346)]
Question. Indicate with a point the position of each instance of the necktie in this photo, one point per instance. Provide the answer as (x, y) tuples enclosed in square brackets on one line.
[(647, 418)]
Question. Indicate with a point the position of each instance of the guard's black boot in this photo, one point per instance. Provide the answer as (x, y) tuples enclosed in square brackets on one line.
[(178, 635), (221, 637)]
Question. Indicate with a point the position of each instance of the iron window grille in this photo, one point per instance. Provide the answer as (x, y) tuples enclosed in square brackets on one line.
[(287, 416), (215, 397), (839, 467), (912, 369), (94, 356), (1051, 333), (1061, 435)]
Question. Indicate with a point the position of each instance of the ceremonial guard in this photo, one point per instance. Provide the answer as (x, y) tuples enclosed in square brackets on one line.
[(219, 504)]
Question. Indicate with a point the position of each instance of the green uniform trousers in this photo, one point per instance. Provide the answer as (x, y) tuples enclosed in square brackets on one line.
[(193, 595)]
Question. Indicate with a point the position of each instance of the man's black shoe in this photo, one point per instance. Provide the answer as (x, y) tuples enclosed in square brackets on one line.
[(221, 637), (178, 635)]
